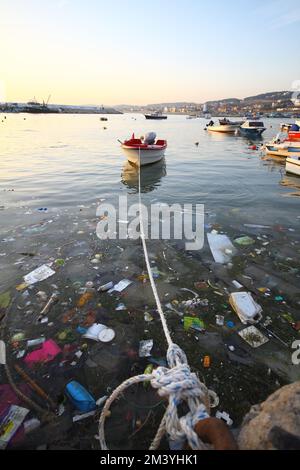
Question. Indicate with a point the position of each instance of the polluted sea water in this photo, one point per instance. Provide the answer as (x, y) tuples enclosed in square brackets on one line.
[(78, 313)]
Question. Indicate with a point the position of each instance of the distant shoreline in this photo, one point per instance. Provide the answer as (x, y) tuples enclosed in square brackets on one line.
[(38, 108)]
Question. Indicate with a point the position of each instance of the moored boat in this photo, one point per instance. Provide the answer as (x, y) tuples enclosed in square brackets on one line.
[(142, 152), (284, 149), (285, 144), (292, 165), (294, 132), (225, 126), (252, 129)]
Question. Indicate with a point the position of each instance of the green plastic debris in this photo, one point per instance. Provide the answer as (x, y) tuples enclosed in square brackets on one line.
[(18, 337), (4, 300), (193, 323), (66, 336), (279, 298), (148, 370), (60, 262), (244, 241), (155, 272), (288, 317)]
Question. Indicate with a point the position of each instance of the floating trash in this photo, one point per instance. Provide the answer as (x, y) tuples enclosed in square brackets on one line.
[(253, 337), (219, 320), (2, 352), (10, 423), (206, 362), (5, 300), (244, 241), (245, 307), (145, 348), (39, 274), (46, 353), (221, 247), (122, 285), (106, 287), (80, 397), (147, 317), (193, 323), (121, 307), (99, 332)]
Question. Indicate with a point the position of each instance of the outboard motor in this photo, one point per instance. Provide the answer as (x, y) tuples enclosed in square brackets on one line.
[(150, 138)]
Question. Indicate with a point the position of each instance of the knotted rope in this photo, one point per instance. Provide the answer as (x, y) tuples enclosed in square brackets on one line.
[(178, 384)]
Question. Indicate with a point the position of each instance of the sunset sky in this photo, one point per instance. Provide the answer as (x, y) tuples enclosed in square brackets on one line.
[(139, 52)]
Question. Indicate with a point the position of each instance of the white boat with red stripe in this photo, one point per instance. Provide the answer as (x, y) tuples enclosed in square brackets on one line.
[(145, 151)]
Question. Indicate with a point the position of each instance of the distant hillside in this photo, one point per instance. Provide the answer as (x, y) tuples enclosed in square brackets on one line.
[(263, 103), (225, 101), (272, 96)]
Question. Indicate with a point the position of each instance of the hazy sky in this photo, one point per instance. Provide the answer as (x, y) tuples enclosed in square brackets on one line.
[(138, 51)]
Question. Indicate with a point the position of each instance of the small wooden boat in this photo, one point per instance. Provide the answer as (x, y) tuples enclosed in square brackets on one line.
[(144, 152), (292, 165)]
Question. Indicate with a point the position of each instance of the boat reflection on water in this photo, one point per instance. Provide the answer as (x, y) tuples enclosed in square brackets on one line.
[(151, 176), (293, 183)]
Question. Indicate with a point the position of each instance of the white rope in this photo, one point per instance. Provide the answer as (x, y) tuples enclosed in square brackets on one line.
[(178, 384), (152, 282)]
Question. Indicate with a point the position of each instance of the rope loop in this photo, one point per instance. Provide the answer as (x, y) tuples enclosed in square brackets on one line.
[(181, 385)]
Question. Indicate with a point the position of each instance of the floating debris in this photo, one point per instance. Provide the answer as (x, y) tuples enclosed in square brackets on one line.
[(221, 247), (145, 348), (244, 305), (253, 336), (39, 274)]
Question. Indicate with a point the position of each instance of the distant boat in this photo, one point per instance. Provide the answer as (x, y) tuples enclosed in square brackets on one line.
[(144, 152), (39, 108), (292, 165), (157, 115), (35, 107), (252, 129)]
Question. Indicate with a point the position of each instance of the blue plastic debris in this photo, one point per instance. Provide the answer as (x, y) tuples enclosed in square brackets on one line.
[(80, 397), (81, 330)]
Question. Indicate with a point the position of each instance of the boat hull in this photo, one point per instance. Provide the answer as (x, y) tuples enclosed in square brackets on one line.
[(155, 118), (293, 166), (283, 151), (143, 157), (251, 133), (224, 129)]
